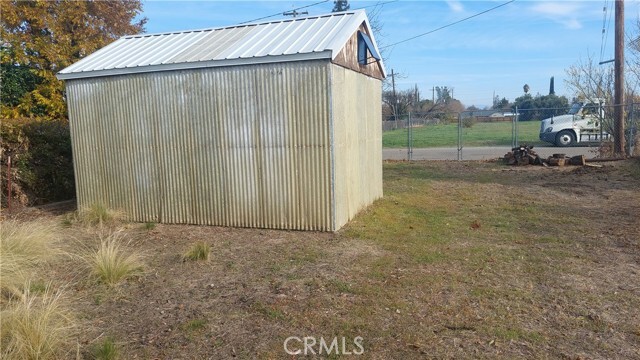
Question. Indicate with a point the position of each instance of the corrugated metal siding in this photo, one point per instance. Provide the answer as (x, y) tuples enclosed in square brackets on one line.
[(240, 146), (357, 137)]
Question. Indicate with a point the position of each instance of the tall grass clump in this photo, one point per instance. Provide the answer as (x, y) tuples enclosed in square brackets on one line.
[(198, 251), (100, 214), (106, 350), (24, 246), (114, 259), (36, 326)]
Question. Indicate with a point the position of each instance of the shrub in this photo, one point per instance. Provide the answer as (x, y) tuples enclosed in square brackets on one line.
[(42, 166), (468, 122), (36, 327), (198, 251)]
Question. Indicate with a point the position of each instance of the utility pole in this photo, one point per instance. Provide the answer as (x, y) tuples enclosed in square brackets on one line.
[(618, 110)]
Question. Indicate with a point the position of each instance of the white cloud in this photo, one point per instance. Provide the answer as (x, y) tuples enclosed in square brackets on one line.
[(564, 13), (556, 8), (573, 24), (455, 5)]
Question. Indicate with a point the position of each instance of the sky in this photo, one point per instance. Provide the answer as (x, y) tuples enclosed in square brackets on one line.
[(498, 52)]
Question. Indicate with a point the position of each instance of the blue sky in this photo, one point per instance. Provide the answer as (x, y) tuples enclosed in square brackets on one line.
[(524, 42)]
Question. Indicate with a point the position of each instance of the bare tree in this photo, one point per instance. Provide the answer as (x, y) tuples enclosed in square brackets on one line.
[(590, 80)]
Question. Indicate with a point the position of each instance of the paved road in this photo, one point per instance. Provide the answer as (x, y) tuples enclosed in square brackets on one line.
[(479, 153)]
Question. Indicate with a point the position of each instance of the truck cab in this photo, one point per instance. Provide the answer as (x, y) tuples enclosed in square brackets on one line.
[(583, 124)]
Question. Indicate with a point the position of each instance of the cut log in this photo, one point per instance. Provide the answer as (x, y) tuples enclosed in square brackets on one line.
[(578, 160), (553, 161)]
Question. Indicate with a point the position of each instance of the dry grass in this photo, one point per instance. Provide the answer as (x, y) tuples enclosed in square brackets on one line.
[(114, 259), (37, 326), (458, 260), (23, 246), (99, 214), (198, 251)]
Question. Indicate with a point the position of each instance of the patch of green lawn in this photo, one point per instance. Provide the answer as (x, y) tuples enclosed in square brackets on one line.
[(480, 134)]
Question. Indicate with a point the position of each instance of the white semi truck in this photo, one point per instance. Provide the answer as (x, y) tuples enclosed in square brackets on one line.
[(583, 124)]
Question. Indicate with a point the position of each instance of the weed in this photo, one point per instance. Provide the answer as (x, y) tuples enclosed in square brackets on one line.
[(149, 226), (106, 350), (113, 260), (39, 287), (341, 286), (198, 251), (269, 311), (36, 326), (195, 324)]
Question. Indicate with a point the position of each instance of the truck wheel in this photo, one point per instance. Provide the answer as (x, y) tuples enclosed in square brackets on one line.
[(565, 138)]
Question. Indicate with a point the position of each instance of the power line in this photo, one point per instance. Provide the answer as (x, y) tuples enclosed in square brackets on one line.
[(376, 4), (606, 24), (314, 4), (280, 13), (448, 25)]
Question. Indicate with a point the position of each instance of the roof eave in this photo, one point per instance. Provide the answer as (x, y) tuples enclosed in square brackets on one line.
[(196, 65)]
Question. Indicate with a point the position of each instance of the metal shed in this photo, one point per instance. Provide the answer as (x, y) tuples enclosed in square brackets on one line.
[(269, 125)]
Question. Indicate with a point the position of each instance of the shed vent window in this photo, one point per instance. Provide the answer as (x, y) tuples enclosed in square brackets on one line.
[(366, 49)]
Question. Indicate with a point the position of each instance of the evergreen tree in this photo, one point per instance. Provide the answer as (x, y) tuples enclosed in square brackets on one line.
[(340, 5)]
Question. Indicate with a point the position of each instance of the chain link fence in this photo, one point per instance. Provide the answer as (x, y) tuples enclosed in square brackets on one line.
[(478, 134)]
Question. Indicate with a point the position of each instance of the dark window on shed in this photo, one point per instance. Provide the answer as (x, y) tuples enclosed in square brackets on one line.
[(366, 48)]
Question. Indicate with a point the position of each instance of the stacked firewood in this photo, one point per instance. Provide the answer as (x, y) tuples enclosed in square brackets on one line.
[(524, 155)]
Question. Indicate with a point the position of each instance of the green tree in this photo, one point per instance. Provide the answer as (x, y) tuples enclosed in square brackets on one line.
[(540, 107), (340, 5), (17, 80), (499, 104), (41, 38)]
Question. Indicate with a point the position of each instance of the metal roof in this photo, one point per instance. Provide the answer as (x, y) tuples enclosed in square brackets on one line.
[(308, 38)]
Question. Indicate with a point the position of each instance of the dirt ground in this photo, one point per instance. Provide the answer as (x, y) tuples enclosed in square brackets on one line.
[(459, 260)]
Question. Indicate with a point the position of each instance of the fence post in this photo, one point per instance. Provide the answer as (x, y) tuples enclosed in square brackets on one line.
[(516, 129), (459, 136), (410, 137), (513, 130), (9, 183)]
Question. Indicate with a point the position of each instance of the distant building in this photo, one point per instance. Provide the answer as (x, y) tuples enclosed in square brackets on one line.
[(269, 125)]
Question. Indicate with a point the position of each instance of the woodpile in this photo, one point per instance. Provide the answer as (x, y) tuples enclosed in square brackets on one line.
[(524, 155)]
